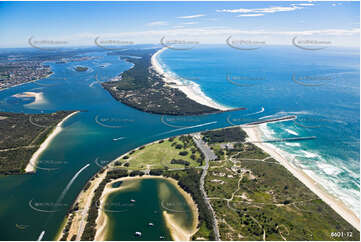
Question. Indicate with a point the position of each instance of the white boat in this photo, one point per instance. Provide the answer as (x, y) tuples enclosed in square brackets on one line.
[(138, 234)]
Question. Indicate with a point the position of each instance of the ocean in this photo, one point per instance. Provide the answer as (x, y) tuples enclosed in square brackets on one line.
[(265, 81), (320, 87)]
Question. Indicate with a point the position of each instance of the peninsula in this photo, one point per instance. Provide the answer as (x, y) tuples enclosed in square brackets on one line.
[(148, 88), (23, 137), (239, 191)]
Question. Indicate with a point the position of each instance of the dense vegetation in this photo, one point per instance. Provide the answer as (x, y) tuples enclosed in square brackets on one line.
[(90, 227), (256, 198), (142, 88), (189, 181), (21, 135), (224, 135)]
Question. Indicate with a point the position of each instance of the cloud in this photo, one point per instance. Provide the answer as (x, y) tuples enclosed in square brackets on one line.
[(251, 15), (260, 10), (217, 33), (191, 16), (190, 23), (213, 35), (336, 4), (157, 23), (303, 4)]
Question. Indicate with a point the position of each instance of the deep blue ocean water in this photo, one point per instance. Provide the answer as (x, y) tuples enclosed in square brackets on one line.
[(321, 87), (258, 80)]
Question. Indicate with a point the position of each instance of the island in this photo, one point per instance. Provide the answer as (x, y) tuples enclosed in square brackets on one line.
[(81, 68), (23, 137), (146, 88), (238, 191)]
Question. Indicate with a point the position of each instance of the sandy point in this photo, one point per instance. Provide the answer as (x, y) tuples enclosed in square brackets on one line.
[(31, 166)]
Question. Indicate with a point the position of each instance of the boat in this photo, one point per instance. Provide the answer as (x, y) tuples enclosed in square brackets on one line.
[(132, 200), (150, 224), (120, 138), (138, 234)]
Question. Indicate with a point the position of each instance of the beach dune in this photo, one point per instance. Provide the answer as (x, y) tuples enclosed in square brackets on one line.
[(191, 90), (255, 133)]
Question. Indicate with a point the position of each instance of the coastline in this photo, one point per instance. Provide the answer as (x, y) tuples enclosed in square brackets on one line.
[(31, 166), (20, 84), (254, 133), (192, 91), (177, 232)]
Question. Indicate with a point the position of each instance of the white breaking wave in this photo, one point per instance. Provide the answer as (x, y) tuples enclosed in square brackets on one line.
[(291, 132), (293, 144)]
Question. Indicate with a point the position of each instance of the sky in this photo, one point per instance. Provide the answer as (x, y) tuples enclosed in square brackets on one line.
[(79, 23)]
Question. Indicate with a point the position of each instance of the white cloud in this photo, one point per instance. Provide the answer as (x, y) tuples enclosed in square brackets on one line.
[(157, 23), (251, 15), (191, 16), (303, 4), (214, 35), (261, 10), (190, 23)]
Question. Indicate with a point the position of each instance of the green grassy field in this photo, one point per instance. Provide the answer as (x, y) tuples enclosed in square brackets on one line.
[(160, 154)]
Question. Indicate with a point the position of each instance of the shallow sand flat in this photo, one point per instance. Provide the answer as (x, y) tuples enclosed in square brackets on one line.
[(177, 232), (254, 133)]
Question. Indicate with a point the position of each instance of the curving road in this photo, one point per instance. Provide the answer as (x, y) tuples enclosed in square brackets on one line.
[(208, 155)]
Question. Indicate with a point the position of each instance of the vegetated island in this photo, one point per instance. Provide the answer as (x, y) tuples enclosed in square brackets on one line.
[(240, 192), (23, 137), (81, 68), (143, 87)]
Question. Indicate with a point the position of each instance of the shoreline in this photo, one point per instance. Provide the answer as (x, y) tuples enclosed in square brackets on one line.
[(192, 91), (254, 133), (20, 84), (39, 97), (31, 166), (177, 232)]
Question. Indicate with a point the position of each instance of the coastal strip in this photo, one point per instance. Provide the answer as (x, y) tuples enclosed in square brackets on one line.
[(31, 167), (20, 84), (192, 91), (254, 133)]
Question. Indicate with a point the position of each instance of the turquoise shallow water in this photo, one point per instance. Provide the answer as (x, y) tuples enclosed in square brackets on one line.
[(104, 130), (268, 82), (108, 128), (152, 197)]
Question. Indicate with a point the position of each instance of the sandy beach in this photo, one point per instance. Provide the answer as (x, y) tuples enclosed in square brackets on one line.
[(192, 90), (255, 134), (31, 167), (178, 233), (39, 97)]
